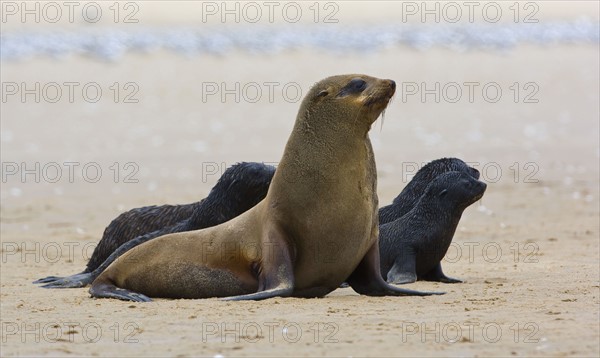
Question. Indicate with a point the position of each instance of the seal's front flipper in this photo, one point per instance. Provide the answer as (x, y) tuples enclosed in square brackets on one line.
[(276, 276), (436, 274), (262, 295), (404, 270), (366, 278), (108, 290), (74, 281)]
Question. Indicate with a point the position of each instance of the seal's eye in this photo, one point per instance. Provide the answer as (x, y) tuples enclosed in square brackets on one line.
[(356, 85), (468, 183)]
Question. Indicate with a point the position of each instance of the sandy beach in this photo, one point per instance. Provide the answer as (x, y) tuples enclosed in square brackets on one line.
[(166, 124)]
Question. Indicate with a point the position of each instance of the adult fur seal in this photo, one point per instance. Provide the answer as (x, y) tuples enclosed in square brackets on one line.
[(413, 246), (241, 186), (317, 226)]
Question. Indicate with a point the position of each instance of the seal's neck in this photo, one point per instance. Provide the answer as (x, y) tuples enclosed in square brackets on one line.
[(317, 143), (321, 151), (445, 217)]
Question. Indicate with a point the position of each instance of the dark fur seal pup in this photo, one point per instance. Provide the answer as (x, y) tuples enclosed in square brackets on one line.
[(409, 196), (413, 246), (323, 196), (241, 186)]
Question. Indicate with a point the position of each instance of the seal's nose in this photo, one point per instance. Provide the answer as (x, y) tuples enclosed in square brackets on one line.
[(482, 186), (393, 84)]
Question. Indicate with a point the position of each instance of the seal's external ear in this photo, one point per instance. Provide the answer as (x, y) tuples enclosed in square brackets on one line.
[(443, 192), (323, 93)]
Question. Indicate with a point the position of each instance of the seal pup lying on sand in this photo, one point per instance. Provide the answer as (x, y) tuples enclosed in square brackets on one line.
[(317, 226), (241, 186)]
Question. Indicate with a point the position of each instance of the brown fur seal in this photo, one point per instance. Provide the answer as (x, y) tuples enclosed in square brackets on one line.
[(241, 186), (317, 226), (413, 246)]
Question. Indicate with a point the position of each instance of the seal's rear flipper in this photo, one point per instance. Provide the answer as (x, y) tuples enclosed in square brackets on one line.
[(366, 278), (78, 280), (108, 290), (47, 279)]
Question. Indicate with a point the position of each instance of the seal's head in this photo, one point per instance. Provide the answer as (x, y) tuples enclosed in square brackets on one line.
[(455, 190), (349, 98), (439, 166), (416, 187)]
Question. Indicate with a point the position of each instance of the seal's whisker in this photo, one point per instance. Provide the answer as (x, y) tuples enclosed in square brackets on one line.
[(382, 120), (362, 106)]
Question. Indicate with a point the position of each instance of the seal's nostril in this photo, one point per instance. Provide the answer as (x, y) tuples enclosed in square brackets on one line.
[(393, 84)]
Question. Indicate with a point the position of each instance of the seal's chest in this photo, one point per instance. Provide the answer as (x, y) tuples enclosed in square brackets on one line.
[(329, 253)]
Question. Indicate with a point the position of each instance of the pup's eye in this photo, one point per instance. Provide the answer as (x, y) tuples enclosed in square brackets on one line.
[(357, 85)]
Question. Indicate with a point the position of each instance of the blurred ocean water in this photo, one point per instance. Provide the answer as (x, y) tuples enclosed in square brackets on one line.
[(112, 43)]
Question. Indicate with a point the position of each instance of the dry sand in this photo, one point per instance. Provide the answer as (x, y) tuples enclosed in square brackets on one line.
[(528, 251)]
